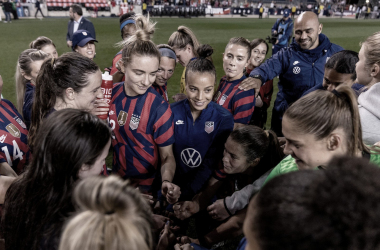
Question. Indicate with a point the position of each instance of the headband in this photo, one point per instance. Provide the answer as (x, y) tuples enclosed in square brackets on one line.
[(167, 53), (125, 23)]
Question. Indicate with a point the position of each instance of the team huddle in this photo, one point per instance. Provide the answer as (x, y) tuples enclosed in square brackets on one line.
[(204, 161)]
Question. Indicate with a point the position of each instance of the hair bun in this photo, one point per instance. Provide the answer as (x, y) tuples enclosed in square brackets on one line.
[(205, 51)]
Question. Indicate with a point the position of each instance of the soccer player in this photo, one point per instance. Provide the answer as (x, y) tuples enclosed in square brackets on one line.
[(259, 49), (127, 29), (185, 44), (368, 74), (46, 45), (71, 145), (14, 152), (240, 103), (84, 44), (71, 81), (320, 126), (165, 70), (28, 65), (141, 120), (201, 128)]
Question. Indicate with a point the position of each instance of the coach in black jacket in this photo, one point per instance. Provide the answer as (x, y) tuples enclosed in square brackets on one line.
[(77, 22)]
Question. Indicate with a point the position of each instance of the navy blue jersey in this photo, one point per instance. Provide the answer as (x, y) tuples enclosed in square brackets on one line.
[(13, 137), (162, 90), (28, 103), (239, 102), (199, 145), (140, 125)]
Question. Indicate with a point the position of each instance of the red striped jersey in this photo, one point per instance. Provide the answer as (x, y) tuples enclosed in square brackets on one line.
[(117, 58), (13, 137), (162, 90), (140, 125), (239, 102)]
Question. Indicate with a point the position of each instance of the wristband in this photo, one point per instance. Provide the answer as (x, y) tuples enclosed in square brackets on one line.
[(225, 206), (258, 77), (166, 181)]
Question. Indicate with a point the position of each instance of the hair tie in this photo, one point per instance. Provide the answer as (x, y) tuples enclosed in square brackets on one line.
[(126, 22), (337, 94), (110, 212), (167, 53)]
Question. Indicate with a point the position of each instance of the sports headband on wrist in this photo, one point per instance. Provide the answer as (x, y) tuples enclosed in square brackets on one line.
[(167, 53), (125, 23)]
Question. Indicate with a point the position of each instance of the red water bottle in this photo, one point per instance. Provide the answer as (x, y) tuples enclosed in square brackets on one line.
[(106, 87)]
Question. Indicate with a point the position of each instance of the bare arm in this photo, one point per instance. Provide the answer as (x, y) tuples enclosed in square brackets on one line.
[(168, 189)]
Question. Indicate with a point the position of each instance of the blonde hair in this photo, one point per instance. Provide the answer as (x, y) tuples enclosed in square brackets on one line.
[(41, 42), (112, 215), (26, 58), (372, 50), (182, 37), (327, 111), (140, 43)]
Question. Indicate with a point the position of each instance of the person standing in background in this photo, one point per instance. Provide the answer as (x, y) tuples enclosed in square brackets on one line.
[(38, 8), (77, 22)]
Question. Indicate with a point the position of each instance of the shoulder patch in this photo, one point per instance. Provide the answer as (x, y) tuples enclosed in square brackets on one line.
[(13, 130)]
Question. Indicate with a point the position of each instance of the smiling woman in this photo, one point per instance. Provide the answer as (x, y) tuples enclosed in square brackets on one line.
[(71, 81), (141, 120), (84, 43), (320, 126)]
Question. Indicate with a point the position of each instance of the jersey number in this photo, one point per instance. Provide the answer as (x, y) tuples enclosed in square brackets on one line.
[(17, 153)]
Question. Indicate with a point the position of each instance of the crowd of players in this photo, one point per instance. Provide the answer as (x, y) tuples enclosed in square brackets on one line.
[(204, 161)]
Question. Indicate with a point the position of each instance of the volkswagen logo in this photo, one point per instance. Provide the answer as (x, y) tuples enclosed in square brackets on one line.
[(191, 157)]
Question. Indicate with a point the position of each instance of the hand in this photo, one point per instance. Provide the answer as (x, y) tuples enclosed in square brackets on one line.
[(69, 43), (179, 97), (251, 83), (276, 42), (275, 32), (259, 102), (101, 107), (217, 210), (148, 198), (159, 221), (171, 191), (377, 144), (186, 246), (167, 238), (187, 240), (185, 209)]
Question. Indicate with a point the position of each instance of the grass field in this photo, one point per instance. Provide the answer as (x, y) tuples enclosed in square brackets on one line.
[(15, 37)]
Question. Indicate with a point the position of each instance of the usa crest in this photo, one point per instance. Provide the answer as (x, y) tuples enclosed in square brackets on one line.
[(13, 130), (134, 123), (209, 127), (222, 100), (19, 121), (122, 118)]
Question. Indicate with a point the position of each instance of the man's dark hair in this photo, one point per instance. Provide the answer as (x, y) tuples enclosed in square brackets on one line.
[(343, 62), (77, 9)]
